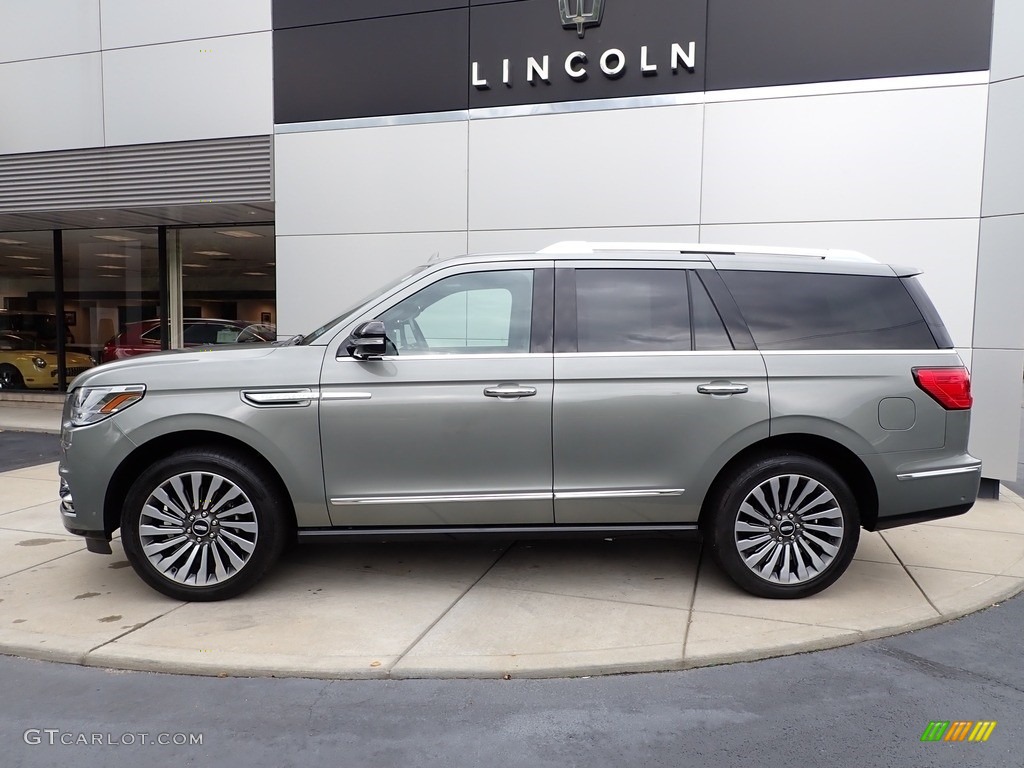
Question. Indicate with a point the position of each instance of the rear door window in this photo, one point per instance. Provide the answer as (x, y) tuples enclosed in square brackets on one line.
[(632, 310), (811, 311)]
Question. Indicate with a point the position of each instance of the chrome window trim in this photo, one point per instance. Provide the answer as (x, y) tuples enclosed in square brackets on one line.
[(457, 356), (777, 352), (656, 353), (938, 472)]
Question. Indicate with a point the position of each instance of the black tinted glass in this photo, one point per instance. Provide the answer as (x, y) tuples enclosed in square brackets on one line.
[(632, 310), (708, 329), (935, 323), (792, 310)]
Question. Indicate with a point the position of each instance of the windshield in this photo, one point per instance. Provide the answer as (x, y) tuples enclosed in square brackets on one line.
[(9, 341), (323, 329)]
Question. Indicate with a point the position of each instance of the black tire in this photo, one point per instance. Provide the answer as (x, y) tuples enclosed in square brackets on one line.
[(10, 377), (783, 526), (225, 522)]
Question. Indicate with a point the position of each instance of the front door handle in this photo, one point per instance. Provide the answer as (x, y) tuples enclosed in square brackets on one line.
[(722, 388), (510, 391)]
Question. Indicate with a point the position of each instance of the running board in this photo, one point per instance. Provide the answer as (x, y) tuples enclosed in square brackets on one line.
[(522, 531)]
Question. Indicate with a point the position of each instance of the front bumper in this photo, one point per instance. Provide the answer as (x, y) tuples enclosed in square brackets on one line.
[(95, 541), (89, 457)]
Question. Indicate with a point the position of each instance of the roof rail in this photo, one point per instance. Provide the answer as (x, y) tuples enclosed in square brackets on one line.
[(583, 246)]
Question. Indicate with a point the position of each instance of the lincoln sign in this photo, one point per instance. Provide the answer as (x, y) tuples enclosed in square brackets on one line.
[(612, 63)]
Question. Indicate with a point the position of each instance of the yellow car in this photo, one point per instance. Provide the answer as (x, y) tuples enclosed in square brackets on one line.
[(24, 363)]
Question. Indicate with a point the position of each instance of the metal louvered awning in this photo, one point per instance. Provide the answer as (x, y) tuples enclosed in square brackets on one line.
[(213, 172)]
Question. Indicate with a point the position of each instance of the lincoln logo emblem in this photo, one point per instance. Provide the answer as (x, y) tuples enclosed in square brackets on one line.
[(581, 18)]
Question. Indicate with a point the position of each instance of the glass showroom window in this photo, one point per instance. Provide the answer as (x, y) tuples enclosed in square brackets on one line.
[(28, 320), (111, 292), (228, 284)]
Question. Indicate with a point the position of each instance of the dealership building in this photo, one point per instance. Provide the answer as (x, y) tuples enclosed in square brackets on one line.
[(272, 162)]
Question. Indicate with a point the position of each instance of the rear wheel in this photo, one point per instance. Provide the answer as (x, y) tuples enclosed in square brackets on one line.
[(10, 377), (784, 526), (203, 524)]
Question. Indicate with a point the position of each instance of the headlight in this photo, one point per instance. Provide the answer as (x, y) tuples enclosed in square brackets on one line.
[(38, 362), (92, 404)]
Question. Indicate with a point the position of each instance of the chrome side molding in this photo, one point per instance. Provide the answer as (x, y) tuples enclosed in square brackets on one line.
[(939, 472), (342, 501)]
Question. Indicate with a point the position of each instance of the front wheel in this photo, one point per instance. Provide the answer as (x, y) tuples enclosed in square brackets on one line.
[(784, 526), (202, 525)]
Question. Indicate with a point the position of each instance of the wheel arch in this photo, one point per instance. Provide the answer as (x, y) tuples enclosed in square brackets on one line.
[(836, 455), (144, 455)]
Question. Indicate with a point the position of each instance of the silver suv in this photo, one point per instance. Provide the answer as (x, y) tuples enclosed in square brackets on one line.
[(774, 400)]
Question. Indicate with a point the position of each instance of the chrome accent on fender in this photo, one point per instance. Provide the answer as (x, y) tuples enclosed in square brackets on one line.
[(345, 395), (565, 495), (938, 472), (279, 398)]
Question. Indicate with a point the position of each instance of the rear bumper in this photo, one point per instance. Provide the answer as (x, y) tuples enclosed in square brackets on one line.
[(918, 491), (921, 517)]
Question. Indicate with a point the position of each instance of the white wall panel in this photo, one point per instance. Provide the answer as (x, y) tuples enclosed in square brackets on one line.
[(51, 104), (30, 29), (201, 89), (131, 22), (947, 252), (319, 277), (497, 241), (1007, 33), (999, 314), (408, 178), (592, 169), (1004, 152), (995, 417), (883, 155)]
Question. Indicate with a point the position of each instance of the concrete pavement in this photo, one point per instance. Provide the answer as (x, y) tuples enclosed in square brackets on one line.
[(524, 609)]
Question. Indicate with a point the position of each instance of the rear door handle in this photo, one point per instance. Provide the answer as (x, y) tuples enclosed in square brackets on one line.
[(722, 388), (510, 391)]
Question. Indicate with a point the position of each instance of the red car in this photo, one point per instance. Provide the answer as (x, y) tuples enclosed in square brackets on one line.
[(142, 337)]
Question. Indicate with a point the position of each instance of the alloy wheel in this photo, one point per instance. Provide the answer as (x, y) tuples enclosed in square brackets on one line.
[(198, 529), (789, 529)]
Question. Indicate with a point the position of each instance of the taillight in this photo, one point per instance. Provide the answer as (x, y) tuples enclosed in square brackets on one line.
[(949, 387)]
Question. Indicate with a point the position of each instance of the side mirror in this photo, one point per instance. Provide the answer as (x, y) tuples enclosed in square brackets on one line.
[(368, 341)]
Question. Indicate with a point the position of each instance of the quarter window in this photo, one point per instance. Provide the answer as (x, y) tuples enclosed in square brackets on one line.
[(472, 313), (632, 310), (796, 310)]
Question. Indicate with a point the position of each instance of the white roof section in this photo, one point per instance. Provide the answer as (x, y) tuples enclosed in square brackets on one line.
[(586, 247)]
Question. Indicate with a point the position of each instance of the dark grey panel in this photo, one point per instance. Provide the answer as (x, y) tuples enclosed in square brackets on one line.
[(390, 66), (516, 31), (756, 43), (300, 13)]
